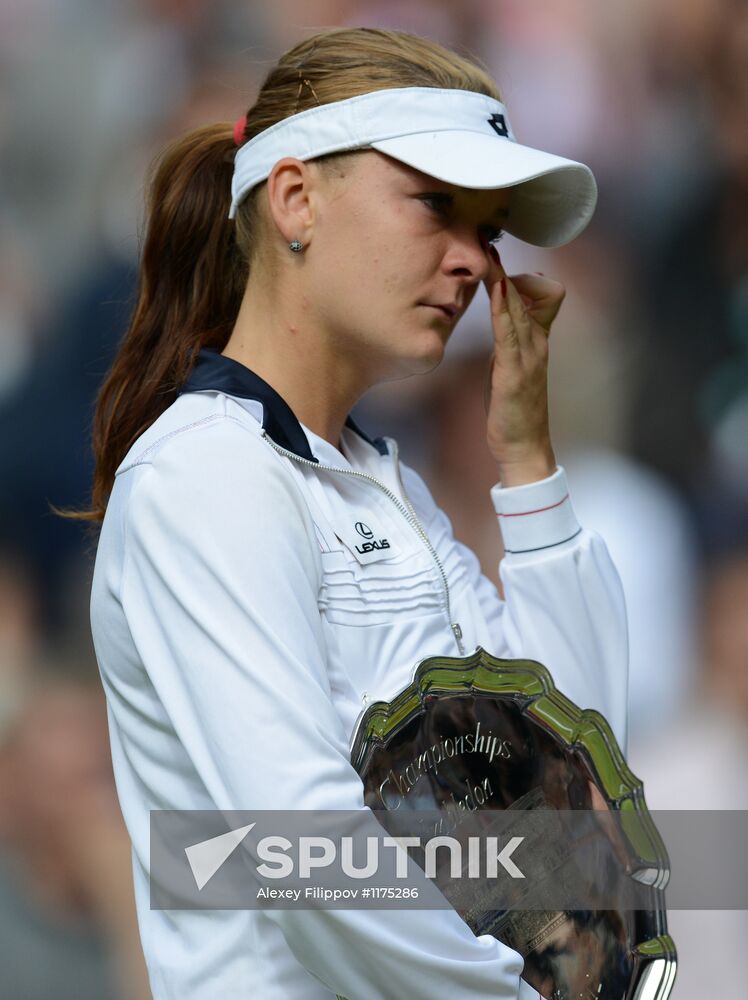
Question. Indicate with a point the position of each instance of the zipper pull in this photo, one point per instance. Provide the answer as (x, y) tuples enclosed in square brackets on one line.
[(458, 636)]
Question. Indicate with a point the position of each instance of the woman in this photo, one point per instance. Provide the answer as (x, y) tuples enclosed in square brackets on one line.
[(264, 568)]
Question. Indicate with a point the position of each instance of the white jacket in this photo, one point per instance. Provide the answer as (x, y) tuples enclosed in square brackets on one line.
[(241, 626)]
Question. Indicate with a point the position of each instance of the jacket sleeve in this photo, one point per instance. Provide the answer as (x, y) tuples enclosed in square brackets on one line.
[(220, 593), (564, 604)]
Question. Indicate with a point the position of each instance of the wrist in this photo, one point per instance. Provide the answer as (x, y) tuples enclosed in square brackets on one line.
[(526, 469)]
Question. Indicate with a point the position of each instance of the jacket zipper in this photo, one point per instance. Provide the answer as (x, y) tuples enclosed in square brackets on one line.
[(407, 511)]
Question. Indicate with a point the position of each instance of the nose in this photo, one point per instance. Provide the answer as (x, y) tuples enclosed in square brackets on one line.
[(468, 253)]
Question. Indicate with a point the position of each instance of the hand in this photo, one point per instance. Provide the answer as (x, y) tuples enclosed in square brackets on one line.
[(518, 433)]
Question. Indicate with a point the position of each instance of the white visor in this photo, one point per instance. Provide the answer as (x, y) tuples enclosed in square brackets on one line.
[(457, 136)]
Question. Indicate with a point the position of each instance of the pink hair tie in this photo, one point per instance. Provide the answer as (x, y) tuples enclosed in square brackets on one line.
[(239, 129)]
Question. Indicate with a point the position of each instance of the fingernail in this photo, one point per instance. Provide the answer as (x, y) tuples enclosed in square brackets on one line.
[(503, 286)]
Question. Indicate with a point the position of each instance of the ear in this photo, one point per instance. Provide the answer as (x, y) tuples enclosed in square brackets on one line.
[(291, 197)]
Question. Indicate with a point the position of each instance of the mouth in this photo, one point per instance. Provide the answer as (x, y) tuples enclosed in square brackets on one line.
[(448, 311)]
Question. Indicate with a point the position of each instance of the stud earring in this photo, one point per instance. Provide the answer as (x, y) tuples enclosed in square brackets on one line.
[(296, 246)]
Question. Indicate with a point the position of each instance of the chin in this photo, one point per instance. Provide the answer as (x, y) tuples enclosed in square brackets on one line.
[(426, 365), (416, 352), (428, 359)]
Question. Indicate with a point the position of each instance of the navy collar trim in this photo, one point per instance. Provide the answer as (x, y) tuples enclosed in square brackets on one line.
[(213, 370)]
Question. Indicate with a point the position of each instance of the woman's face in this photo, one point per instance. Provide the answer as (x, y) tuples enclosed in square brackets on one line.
[(388, 246)]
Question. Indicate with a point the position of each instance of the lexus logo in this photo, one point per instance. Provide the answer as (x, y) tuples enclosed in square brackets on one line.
[(364, 530)]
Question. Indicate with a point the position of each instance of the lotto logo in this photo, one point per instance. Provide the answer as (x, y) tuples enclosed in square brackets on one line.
[(498, 124)]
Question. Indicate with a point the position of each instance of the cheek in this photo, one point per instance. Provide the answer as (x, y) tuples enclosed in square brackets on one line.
[(378, 265), (361, 251), (401, 270), (376, 272)]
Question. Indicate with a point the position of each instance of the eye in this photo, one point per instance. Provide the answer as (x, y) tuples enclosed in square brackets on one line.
[(492, 234), (442, 202)]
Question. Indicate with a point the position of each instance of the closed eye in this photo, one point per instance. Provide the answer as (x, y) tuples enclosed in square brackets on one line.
[(442, 202)]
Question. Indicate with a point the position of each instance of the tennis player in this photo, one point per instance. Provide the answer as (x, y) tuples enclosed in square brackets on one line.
[(265, 569)]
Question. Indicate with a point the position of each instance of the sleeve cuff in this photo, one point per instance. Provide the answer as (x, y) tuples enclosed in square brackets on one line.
[(537, 515)]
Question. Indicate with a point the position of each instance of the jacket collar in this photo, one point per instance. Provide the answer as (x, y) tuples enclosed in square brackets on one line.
[(212, 370)]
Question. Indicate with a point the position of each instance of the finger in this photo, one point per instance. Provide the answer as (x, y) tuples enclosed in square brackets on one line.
[(504, 328), (492, 281), (496, 270), (538, 281), (510, 321), (542, 297), (518, 312), (538, 288)]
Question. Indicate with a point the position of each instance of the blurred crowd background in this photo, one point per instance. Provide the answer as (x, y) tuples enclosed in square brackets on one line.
[(649, 391)]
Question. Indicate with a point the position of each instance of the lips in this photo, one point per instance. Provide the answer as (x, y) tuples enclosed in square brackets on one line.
[(448, 310)]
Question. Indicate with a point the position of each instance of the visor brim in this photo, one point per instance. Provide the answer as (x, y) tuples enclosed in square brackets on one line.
[(554, 199)]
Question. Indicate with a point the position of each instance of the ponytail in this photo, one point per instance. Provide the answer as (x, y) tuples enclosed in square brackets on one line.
[(192, 279)]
